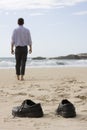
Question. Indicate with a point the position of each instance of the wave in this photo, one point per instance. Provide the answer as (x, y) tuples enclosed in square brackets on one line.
[(10, 62), (7, 63)]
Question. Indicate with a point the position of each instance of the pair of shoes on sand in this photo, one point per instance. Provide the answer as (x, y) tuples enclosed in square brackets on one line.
[(31, 109)]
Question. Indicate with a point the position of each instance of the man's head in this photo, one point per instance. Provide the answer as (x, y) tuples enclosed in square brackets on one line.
[(20, 21)]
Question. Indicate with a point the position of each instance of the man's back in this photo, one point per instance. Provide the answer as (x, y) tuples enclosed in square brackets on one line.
[(21, 36)]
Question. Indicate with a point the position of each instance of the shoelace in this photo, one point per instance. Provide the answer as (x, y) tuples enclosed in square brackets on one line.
[(22, 106)]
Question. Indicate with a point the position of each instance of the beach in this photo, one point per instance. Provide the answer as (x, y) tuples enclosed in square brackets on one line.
[(48, 86)]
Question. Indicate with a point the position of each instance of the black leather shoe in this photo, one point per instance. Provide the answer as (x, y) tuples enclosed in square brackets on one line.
[(66, 109), (28, 109)]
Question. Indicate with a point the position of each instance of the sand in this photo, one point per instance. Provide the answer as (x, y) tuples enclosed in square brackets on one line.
[(48, 86)]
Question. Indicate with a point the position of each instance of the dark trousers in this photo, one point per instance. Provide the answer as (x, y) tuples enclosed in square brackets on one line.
[(21, 57)]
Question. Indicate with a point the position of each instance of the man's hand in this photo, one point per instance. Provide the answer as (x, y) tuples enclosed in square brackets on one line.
[(12, 51), (30, 50)]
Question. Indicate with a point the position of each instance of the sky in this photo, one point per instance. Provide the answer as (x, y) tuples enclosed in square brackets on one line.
[(58, 27)]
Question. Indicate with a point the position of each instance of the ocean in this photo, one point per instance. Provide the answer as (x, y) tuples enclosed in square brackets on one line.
[(9, 62)]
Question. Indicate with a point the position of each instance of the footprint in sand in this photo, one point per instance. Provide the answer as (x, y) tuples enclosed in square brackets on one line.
[(20, 93), (81, 97)]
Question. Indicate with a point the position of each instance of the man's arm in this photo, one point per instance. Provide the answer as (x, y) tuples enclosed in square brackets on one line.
[(12, 43), (30, 42)]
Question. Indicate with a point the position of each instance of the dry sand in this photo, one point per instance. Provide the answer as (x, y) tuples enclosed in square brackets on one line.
[(47, 86)]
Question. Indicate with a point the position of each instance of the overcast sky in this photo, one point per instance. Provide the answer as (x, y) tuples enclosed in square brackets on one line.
[(58, 27)]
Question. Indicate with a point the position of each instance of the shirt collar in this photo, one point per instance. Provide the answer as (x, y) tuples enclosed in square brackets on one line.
[(20, 26)]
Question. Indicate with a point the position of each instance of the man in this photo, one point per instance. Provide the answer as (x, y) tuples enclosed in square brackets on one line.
[(21, 39)]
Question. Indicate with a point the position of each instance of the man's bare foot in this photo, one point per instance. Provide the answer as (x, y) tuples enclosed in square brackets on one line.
[(22, 78), (18, 77)]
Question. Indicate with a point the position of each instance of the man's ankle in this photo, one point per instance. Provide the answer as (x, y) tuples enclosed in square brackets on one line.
[(22, 77), (18, 77)]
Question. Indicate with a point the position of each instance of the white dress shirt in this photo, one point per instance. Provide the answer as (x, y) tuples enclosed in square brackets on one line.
[(21, 37)]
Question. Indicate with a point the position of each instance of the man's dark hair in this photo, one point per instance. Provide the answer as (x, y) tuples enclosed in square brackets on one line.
[(20, 21)]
